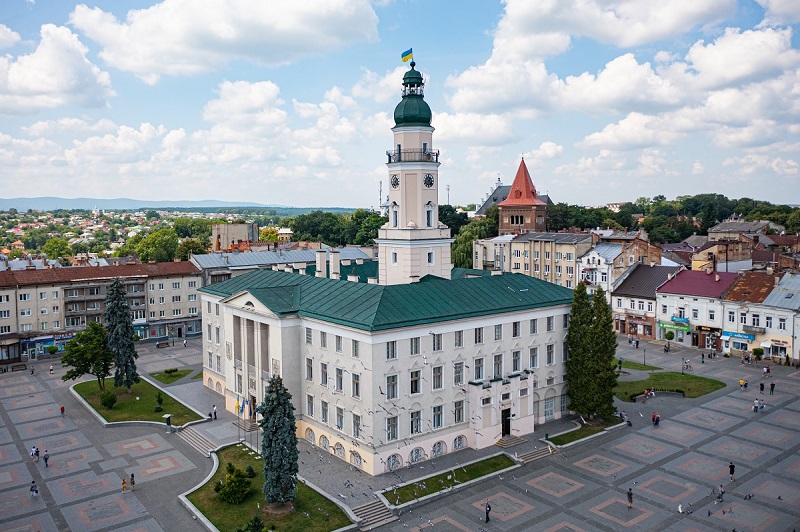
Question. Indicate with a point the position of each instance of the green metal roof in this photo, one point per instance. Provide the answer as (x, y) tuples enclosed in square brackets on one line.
[(372, 307), (412, 110), (364, 270)]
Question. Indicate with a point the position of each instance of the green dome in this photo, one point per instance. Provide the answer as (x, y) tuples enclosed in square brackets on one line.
[(412, 110)]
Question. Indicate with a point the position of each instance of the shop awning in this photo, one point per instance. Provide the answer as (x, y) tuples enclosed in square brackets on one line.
[(723, 337), (766, 343)]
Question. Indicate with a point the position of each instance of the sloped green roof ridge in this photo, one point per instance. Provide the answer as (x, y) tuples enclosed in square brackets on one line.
[(374, 307)]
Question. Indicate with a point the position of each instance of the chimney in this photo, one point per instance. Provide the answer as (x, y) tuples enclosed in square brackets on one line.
[(777, 280), (320, 256), (275, 267), (372, 280), (352, 278), (335, 272)]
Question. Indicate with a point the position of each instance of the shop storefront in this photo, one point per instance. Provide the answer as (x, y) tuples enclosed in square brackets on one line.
[(706, 337), (736, 341), (638, 326), (680, 330), (775, 349), (36, 347)]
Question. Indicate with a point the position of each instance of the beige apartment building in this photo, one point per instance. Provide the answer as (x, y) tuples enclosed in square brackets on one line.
[(551, 257), (41, 308)]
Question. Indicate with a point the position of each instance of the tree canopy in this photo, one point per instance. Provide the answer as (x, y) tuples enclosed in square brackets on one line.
[(191, 246), (120, 335), (279, 443), (158, 246), (88, 354)]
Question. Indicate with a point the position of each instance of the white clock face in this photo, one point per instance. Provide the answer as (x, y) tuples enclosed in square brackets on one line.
[(428, 180)]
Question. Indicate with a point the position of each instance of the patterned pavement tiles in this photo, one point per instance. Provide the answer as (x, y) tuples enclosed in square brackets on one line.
[(768, 435), (699, 467), (739, 451), (610, 509), (641, 447), (82, 486), (679, 434), (562, 523), (19, 502), (738, 406), (556, 485), (105, 512), (605, 468), (509, 511), (788, 467), (69, 462), (689, 524), (708, 419), (27, 401), (664, 488), (33, 523), (59, 443), (14, 475), (149, 525), (794, 405), (140, 446), (744, 515), (37, 429), (9, 454), (782, 418), (160, 466), (27, 389), (766, 489), (5, 436), (24, 415)]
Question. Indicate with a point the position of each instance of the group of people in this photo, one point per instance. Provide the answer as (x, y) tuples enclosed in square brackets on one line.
[(758, 405), (655, 419), (744, 385), (132, 484), (35, 455), (648, 393)]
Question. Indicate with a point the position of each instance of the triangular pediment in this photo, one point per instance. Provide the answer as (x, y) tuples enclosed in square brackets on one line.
[(249, 303)]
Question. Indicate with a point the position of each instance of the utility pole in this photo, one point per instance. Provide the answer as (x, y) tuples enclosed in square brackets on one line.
[(448, 194)]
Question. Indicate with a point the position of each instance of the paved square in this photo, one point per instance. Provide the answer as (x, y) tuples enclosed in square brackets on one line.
[(160, 466), (70, 462), (679, 434), (58, 443), (708, 419), (603, 466), (782, 418), (644, 448), (24, 415), (9, 454), (44, 427), (504, 506), (104, 512), (765, 434), (766, 490), (555, 484), (136, 447), (443, 522), (27, 401), (788, 467), (667, 489), (78, 487), (699, 467)]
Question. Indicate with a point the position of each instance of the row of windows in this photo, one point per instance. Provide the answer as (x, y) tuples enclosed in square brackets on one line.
[(338, 342), (634, 304), (175, 299), (755, 319), (338, 380), (339, 416), (430, 258), (415, 420), (175, 285), (559, 256), (478, 336)]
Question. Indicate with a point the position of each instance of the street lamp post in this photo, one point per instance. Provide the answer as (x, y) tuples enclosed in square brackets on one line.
[(644, 356), (683, 364)]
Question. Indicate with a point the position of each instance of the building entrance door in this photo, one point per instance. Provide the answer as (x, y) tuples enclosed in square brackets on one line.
[(506, 420)]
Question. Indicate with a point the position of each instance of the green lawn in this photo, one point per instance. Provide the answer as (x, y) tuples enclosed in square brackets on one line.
[(627, 364), (128, 408), (591, 427), (459, 475), (323, 515), (668, 381), (197, 376), (168, 378)]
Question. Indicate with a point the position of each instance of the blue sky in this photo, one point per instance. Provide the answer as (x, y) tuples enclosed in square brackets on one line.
[(290, 103)]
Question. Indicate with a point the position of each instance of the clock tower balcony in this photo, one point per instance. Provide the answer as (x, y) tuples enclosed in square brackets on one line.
[(412, 156)]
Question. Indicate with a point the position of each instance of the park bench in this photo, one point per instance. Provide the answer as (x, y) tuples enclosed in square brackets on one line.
[(162, 344), (19, 367)]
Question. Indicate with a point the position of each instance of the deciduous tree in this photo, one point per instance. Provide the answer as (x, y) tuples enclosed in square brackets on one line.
[(88, 354)]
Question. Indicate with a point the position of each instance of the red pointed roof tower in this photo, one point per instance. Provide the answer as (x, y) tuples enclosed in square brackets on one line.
[(522, 211)]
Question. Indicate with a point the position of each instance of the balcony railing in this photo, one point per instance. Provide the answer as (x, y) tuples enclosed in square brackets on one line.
[(413, 156)]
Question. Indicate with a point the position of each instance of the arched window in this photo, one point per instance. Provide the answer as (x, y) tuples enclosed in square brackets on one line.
[(324, 443), (417, 455), (459, 443), (210, 383), (355, 459), (439, 448), (338, 450), (394, 462), (219, 388), (310, 436)]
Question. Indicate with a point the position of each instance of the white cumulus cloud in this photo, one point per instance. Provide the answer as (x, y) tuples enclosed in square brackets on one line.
[(8, 37)]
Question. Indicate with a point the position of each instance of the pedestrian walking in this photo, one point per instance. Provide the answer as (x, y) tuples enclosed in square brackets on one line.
[(761, 405), (732, 470), (761, 388), (215, 411), (32, 368), (755, 405), (630, 497), (133, 482), (658, 420), (33, 453), (46, 457), (764, 372), (772, 388), (488, 510), (62, 410), (746, 385), (184, 342), (653, 419), (124, 485), (721, 493), (702, 358), (34, 489), (51, 369), (741, 384), (36, 455)]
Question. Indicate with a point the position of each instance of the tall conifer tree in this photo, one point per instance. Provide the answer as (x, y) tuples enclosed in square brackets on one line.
[(279, 443), (604, 348), (119, 324), (579, 367)]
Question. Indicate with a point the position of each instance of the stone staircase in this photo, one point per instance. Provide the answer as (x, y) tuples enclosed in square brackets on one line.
[(247, 425), (196, 440), (541, 452), (373, 515), (509, 441)]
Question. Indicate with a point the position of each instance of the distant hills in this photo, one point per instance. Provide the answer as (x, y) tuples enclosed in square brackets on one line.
[(53, 203)]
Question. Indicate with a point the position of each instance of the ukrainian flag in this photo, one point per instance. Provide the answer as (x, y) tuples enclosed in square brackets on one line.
[(407, 56)]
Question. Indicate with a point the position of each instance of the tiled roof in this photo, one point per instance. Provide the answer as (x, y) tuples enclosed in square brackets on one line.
[(696, 241), (608, 250), (501, 193), (374, 307), (752, 287), (558, 238), (738, 227), (786, 294), (765, 255), (698, 283), (522, 193), (643, 281), (81, 273), (268, 258)]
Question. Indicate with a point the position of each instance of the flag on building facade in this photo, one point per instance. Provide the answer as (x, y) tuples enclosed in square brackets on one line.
[(407, 56)]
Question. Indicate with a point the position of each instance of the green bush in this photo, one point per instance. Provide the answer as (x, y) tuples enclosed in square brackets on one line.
[(758, 352), (136, 337), (669, 335), (251, 473), (236, 487), (108, 400), (159, 398), (170, 371), (52, 349)]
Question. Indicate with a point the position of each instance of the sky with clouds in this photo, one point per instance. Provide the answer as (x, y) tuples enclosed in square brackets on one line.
[(290, 103)]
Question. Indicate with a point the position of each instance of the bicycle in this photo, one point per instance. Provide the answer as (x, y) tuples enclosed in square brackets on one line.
[(687, 365)]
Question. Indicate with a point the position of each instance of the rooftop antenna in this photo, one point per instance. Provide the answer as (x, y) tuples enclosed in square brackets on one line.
[(380, 193)]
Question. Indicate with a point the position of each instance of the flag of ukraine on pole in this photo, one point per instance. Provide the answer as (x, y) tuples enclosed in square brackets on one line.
[(407, 56)]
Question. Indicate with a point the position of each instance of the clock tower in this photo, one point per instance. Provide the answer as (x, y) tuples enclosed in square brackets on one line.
[(413, 243)]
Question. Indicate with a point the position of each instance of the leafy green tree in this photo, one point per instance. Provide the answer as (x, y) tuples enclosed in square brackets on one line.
[(591, 346), (453, 219), (56, 247), (368, 231), (152, 215), (461, 248), (158, 246), (120, 335), (279, 443), (191, 246), (256, 524), (88, 354), (129, 247), (79, 247), (268, 234)]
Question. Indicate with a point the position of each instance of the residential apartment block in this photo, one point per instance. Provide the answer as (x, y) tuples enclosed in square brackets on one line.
[(633, 301), (40, 308)]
